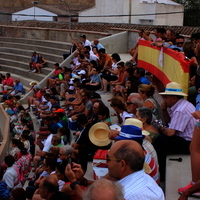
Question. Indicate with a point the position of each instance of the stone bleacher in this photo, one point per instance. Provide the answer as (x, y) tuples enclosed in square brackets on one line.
[(15, 55)]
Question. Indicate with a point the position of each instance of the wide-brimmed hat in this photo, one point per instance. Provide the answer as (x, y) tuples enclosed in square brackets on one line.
[(44, 131), (130, 132), (32, 83), (136, 122), (173, 88), (99, 134)]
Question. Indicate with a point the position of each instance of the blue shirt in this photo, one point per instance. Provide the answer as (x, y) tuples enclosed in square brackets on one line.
[(99, 46), (19, 87), (144, 80)]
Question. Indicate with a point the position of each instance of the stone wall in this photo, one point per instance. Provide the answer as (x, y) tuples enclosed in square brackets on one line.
[(27, 3)]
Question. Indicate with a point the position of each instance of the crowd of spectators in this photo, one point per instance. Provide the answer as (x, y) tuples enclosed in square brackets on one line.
[(71, 102)]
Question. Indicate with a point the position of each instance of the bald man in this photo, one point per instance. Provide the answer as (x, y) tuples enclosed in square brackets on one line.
[(125, 162), (49, 190)]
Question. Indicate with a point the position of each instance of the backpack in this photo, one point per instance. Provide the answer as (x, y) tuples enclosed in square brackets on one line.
[(4, 192)]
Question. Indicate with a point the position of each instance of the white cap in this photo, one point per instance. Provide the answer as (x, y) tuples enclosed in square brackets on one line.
[(82, 72)]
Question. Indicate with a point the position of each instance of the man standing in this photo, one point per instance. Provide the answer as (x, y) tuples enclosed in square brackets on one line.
[(84, 41), (176, 138)]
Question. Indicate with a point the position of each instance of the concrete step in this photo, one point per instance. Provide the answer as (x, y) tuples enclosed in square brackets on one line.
[(178, 174), (42, 49), (45, 43), (24, 73), (24, 53), (24, 80), (6, 64)]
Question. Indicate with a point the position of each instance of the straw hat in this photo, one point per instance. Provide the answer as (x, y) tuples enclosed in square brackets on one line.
[(173, 88), (98, 134), (32, 83), (136, 122)]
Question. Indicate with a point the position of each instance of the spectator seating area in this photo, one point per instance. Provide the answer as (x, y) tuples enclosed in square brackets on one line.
[(16, 54)]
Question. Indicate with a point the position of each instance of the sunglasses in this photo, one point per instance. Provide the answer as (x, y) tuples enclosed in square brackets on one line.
[(61, 154), (129, 103), (179, 43)]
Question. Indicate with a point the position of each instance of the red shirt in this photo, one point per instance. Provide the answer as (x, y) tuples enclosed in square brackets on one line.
[(9, 81)]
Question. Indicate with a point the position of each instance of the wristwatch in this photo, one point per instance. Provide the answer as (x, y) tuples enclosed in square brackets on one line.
[(73, 184)]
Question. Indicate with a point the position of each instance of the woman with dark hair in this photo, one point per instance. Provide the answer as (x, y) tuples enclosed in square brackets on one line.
[(54, 92), (104, 116), (95, 82)]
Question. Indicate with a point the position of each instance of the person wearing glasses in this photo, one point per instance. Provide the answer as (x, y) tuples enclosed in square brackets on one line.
[(125, 162)]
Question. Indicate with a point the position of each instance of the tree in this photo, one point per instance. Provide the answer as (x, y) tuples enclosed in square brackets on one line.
[(192, 11)]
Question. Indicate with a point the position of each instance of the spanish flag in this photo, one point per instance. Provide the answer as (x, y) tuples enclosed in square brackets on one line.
[(164, 63)]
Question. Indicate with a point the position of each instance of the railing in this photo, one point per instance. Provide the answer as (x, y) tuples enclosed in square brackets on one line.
[(4, 133)]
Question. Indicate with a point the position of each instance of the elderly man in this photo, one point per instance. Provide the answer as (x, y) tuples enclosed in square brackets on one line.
[(49, 190), (134, 102), (98, 44), (176, 138), (65, 153), (125, 162), (18, 88), (104, 189)]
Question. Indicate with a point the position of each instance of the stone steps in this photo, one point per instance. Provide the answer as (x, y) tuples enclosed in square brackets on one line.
[(42, 43), (25, 55)]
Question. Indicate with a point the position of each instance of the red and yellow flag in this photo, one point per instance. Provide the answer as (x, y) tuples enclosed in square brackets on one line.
[(164, 63)]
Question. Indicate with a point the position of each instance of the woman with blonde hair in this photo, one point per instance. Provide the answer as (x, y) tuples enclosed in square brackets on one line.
[(146, 36), (146, 92)]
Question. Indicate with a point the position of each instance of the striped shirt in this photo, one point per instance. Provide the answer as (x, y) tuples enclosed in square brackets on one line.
[(140, 186), (181, 119)]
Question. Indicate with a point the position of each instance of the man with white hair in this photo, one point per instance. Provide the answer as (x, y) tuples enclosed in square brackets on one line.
[(134, 102), (104, 189)]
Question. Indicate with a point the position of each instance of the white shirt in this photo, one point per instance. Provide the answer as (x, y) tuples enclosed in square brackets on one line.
[(11, 178), (140, 186), (87, 43), (47, 143)]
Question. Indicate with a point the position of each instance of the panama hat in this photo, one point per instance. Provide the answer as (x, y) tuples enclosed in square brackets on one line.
[(32, 83), (136, 122), (173, 88), (130, 132), (98, 134)]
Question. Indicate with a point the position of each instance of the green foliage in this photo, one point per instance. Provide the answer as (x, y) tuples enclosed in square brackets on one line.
[(192, 12)]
